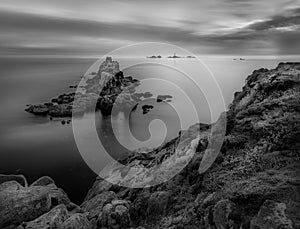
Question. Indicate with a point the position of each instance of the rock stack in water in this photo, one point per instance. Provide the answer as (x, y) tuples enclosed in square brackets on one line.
[(107, 87)]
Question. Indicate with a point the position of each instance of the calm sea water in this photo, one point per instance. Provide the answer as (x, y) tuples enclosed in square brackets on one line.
[(36, 146)]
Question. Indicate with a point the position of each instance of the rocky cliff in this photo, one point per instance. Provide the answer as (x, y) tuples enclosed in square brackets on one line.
[(254, 182)]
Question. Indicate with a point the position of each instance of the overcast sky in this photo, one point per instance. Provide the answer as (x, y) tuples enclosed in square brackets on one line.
[(94, 27)]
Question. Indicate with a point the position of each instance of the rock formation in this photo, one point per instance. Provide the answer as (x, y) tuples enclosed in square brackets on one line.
[(107, 87), (253, 184)]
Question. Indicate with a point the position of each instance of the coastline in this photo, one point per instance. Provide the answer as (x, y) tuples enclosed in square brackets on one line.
[(255, 176)]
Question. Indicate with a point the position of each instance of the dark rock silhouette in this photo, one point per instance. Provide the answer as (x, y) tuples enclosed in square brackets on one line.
[(146, 108), (109, 83)]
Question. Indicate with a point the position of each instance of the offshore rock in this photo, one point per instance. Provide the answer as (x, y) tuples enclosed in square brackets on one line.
[(100, 92)]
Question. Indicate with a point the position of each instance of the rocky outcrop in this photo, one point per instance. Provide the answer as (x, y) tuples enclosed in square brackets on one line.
[(52, 219), (272, 215), (33, 204), (77, 221), (19, 178), (95, 205), (253, 183), (21, 204), (101, 92), (115, 214)]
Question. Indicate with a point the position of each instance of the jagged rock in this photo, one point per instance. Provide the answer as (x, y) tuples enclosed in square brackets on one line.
[(77, 221), (109, 66), (222, 213), (99, 186), (52, 219), (272, 215), (43, 181), (22, 204), (19, 178), (94, 205), (101, 92), (158, 203), (115, 215), (58, 196), (38, 109)]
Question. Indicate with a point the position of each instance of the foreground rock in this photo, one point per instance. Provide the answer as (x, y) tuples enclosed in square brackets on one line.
[(22, 204), (19, 178), (115, 214), (53, 219), (77, 221)]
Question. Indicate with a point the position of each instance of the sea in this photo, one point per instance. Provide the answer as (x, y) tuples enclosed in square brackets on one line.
[(198, 90)]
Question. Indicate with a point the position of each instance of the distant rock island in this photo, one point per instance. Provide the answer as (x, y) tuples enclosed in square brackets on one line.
[(115, 90), (146, 108), (174, 56), (159, 56), (253, 184), (109, 80)]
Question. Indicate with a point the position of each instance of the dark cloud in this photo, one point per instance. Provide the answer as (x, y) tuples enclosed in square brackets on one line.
[(224, 32)]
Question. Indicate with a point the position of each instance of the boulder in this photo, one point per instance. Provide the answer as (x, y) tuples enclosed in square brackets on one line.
[(77, 221), (272, 215), (99, 186), (115, 215), (52, 219), (19, 178), (58, 196), (94, 205), (39, 109), (22, 203), (43, 181), (158, 203), (222, 212)]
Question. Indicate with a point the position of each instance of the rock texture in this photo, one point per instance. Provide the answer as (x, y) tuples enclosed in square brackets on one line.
[(254, 182), (52, 219), (107, 87), (19, 178)]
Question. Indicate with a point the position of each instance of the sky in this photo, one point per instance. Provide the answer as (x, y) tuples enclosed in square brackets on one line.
[(95, 27)]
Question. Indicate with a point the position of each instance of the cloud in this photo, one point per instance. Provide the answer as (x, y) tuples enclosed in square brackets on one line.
[(218, 27)]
